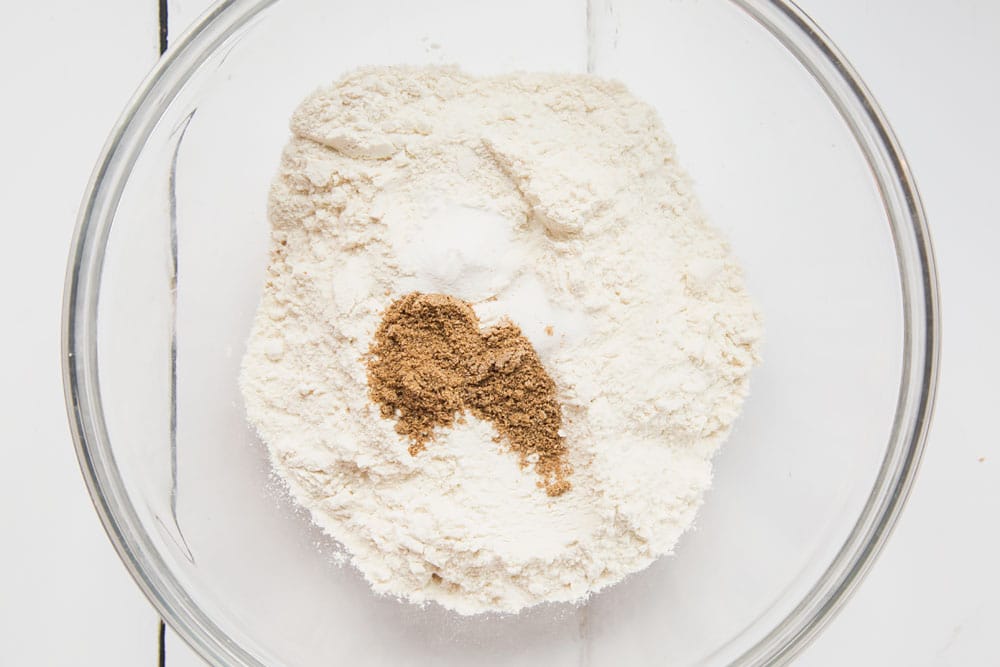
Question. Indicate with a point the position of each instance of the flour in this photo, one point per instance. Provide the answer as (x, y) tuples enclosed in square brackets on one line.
[(556, 201)]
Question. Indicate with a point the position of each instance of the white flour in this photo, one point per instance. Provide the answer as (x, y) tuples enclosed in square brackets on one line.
[(559, 198)]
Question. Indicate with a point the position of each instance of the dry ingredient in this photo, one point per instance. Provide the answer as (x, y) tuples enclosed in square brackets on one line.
[(431, 363), (544, 208)]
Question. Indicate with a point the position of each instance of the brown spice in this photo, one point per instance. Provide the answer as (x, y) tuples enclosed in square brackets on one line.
[(430, 363)]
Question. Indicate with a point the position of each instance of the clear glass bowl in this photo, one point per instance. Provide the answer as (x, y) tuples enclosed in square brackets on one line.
[(792, 159)]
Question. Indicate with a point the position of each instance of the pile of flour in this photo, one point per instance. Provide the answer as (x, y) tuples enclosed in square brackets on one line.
[(556, 201)]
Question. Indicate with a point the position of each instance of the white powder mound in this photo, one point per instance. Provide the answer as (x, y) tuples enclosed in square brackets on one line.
[(555, 200)]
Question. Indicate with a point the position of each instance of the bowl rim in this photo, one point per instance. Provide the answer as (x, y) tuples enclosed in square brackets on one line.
[(921, 340)]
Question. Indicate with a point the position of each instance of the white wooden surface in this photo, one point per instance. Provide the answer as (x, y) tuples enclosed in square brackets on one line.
[(67, 70), (934, 596)]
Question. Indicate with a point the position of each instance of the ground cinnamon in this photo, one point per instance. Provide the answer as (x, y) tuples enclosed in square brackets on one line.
[(430, 363)]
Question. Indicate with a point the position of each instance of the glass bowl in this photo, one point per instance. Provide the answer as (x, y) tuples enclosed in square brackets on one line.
[(792, 160)]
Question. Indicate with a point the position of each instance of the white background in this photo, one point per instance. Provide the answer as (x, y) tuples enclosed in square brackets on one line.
[(67, 69)]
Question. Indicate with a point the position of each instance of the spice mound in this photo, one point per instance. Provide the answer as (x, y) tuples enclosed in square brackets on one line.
[(430, 363)]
